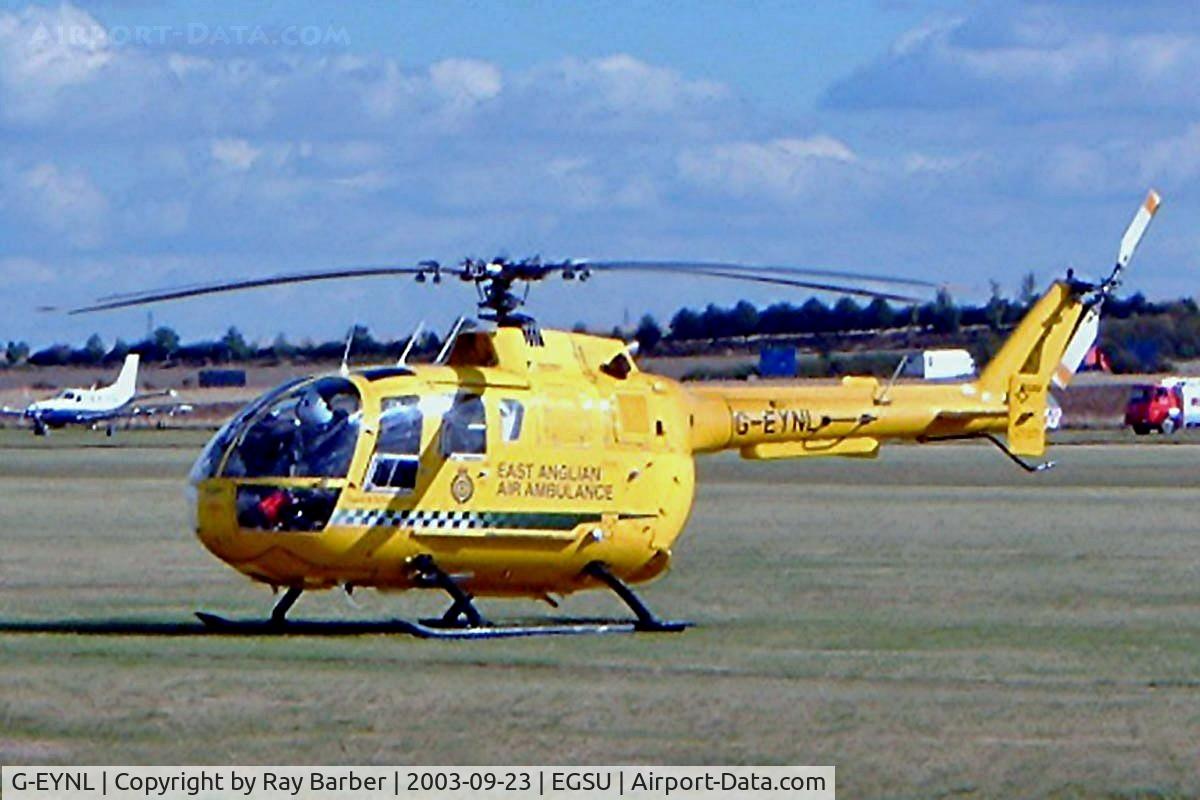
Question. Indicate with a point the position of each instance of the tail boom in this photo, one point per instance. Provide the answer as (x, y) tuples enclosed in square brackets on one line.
[(851, 418), (848, 419)]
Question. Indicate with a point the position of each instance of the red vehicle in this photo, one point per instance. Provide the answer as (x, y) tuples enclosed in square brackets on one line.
[(1165, 407)]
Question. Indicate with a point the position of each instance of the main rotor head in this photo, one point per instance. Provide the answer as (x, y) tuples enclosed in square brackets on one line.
[(495, 281)]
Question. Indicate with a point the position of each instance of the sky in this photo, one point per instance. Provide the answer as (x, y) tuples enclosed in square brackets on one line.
[(147, 145)]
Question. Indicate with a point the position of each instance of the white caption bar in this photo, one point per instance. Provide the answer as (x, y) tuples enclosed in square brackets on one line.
[(431, 783)]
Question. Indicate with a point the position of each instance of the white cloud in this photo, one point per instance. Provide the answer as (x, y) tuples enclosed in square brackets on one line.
[(303, 158), (183, 66), (26, 270), (156, 218), (562, 167), (64, 202), (465, 82), (1176, 158), (629, 83), (44, 50), (620, 86), (369, 181), (1024, 59), (917, 163), (60, 71), (782, 167), (387, 91), (235, 154), (1076, 170)]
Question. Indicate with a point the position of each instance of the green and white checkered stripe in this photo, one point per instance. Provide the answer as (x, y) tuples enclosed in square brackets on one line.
[(459, 520)]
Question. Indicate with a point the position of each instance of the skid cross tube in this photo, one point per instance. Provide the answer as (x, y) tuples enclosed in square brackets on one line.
[(462, 611), (461, 620), (281, 609), (646, 620)]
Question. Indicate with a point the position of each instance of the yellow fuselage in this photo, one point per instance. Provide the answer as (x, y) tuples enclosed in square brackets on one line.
[(601, 469), (571, 456)]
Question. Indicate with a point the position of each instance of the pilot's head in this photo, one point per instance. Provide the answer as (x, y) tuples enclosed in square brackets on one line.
[(313, 410)]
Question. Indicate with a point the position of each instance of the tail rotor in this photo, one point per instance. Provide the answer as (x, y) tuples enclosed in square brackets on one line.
[(1131, 240)]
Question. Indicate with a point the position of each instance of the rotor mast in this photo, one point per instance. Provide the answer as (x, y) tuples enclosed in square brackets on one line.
[(496, 279)]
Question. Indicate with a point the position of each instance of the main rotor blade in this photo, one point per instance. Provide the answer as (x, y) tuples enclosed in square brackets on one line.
[(766, 269), (750, 278), (181, 292)]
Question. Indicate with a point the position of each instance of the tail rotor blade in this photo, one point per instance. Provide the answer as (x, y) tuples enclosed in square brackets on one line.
[(1136, 230)]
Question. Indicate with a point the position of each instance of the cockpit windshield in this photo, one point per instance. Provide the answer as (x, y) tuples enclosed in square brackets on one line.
[(309, 432), (306, 429)]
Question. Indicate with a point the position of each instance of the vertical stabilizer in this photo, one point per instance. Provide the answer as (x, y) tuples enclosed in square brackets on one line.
[(1037, 345), (126, 385), (1052, 340)]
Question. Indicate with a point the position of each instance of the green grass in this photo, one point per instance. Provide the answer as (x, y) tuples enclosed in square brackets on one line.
[(935, 623)]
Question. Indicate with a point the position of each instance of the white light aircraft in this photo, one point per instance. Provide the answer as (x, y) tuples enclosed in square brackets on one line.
[(91, 407)]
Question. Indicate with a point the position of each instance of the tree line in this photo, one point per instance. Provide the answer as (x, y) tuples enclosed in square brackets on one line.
[(1138, 335), (164, 345)]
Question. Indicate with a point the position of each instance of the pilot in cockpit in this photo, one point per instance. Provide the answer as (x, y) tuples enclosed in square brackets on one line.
[(320, 434), (310, 432)]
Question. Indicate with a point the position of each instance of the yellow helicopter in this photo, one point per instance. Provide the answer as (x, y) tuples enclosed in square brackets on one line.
[(536, 463)]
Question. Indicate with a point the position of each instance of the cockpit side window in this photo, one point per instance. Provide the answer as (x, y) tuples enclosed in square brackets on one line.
[(464, 427), (398, 449), (211, 458), (512, 417)]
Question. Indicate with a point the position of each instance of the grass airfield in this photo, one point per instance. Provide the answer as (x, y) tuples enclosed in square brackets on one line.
[(936, 623)]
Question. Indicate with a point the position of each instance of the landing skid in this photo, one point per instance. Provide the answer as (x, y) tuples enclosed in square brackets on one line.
[(265, 627), (461, 621), (423, 630), (549, 627)]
